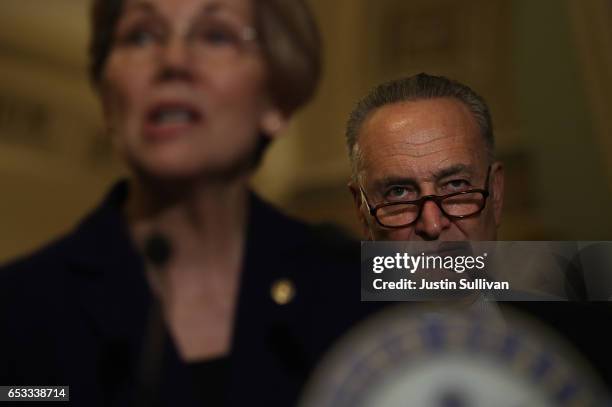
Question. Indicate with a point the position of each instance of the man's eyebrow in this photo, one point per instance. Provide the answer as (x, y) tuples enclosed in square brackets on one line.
[(396, 180), (453, 170), (391, 180)]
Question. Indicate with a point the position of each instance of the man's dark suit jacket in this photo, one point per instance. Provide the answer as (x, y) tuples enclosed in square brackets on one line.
[(75, 312)]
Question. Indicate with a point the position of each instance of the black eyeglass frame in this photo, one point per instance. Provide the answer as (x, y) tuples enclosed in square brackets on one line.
[(437, 199)]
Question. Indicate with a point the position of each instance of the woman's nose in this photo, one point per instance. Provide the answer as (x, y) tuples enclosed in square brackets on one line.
[(175, 60)]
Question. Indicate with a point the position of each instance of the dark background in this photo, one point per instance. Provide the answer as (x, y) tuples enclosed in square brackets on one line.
[(544, 66)]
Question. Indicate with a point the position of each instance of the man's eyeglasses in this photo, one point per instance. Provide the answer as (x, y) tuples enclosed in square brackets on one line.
[(457, 205)]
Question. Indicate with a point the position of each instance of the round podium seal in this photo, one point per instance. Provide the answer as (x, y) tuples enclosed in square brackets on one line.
[(410, 356)]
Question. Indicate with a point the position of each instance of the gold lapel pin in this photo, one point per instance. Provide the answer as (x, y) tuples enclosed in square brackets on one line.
[(282, 291)]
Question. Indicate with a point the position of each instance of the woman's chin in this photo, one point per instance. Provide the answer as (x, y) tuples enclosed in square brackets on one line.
[(164, 166), (181, 170)]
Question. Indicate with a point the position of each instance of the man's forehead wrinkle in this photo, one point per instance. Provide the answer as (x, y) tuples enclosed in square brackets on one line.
[(424, 166), (406, 147), (419, 140), (426, 136)]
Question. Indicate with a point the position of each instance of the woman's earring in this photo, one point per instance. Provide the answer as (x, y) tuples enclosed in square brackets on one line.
[(272, 124)]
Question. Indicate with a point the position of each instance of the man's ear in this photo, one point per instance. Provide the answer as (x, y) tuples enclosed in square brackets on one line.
[(497, 190), (273, 122), (360, 209)]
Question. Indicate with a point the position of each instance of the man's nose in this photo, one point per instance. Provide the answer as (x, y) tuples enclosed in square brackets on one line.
[(175, 60), (432, 222)]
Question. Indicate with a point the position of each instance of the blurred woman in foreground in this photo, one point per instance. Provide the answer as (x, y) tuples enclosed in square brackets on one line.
[(184, 288)]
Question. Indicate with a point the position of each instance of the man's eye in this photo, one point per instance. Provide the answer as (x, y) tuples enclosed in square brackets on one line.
[(399, 193), (458, 185)]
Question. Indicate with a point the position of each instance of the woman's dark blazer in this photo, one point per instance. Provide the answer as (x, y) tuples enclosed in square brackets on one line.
[(75, 313)]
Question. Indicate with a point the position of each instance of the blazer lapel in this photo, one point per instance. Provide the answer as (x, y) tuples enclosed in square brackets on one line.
[(268, 351), (112, 289)]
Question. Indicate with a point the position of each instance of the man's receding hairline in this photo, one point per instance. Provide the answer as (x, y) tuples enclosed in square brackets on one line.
[(413, 89), (374, 111), (415, 101)]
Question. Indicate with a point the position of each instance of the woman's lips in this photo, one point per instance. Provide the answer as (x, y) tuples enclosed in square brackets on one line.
[(170, 119)]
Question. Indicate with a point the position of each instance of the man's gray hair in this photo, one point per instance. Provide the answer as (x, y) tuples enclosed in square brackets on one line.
[(414, 88)]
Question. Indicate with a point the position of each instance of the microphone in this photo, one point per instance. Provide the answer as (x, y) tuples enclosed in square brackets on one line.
[(157, 249), (157, 252)]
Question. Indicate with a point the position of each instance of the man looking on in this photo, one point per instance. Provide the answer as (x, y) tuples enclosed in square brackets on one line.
[(423, 168)]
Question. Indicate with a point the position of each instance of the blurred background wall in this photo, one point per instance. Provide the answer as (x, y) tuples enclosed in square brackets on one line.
[(544, 66)]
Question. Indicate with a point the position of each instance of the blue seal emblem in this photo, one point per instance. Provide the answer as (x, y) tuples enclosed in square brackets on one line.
[(434, 357)]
